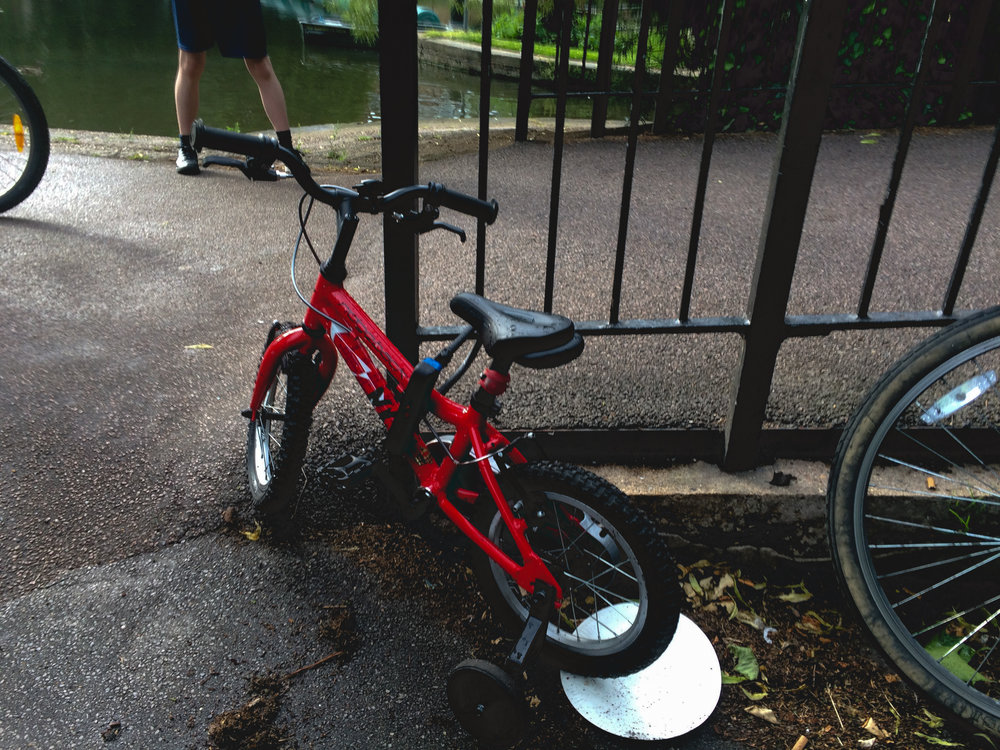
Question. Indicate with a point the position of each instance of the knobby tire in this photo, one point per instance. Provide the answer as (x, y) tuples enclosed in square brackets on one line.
[(278, 436), (602, 550)]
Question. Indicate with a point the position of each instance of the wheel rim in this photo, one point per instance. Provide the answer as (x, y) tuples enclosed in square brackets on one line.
[(594, 565), (268, 429), (927, 524)]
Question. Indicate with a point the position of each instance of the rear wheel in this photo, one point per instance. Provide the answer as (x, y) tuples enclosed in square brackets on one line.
[(621, 599), (24, 138), (278, 436), (914, 504)]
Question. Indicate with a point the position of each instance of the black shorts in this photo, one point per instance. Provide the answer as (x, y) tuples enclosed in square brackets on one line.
[(237, 26)]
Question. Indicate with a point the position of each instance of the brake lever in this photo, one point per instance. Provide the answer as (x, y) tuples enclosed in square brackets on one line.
[(424, 222), (449, 228)]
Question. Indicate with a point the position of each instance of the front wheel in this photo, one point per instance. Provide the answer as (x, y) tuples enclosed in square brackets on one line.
[(914, 501), (278, 436), (24, 138), (621, 599)]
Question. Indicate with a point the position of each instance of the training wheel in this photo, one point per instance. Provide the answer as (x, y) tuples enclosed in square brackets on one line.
[(487, 703)]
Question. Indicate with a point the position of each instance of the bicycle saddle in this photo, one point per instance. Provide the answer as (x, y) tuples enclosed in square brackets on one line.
[(511, 334)]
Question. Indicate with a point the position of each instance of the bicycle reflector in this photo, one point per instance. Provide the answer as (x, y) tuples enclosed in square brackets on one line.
[(18, 133), (959, 397)]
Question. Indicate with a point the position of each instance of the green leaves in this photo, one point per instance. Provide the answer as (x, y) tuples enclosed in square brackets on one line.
[(746, 667), (955, 660)]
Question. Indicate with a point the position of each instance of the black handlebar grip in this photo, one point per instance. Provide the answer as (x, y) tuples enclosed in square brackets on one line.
[(485, 210), (257, 146)]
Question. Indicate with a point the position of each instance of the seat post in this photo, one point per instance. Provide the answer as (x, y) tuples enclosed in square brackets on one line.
[(492, 384)]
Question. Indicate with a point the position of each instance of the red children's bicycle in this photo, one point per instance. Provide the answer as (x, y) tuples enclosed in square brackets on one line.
[(559, 552)]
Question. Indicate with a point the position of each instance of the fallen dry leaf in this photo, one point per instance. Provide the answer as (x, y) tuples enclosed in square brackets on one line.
[(872, 728), (762, 713)]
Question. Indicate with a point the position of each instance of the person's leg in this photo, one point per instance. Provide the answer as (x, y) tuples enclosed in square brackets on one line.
[(271, 94), (189, 69), (190, 66)]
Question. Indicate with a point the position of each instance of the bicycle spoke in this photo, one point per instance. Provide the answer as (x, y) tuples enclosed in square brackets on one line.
[(926, 527), (950, 579), (938, 476), (601, 591), (956, 617), (965, 639), (611, 567), (937, 563), (982, 662)]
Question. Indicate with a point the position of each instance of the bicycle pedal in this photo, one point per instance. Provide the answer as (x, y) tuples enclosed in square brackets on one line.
[(348, 468)]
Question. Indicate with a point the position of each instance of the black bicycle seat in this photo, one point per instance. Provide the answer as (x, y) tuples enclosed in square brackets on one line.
[(512, 334)]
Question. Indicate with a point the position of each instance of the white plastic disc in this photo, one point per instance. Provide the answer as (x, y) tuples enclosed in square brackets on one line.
[(672, 696)]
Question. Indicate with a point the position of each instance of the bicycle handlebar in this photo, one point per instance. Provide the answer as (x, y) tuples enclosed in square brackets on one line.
[(268, 150)]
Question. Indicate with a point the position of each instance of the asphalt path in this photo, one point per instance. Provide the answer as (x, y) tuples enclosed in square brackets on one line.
[(136, 303)]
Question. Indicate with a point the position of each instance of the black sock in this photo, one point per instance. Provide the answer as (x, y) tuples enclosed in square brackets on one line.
[(284, 138), (185, 141)]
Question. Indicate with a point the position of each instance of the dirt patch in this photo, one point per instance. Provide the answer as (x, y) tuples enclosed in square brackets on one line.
[(252, 726), (799, 667), (340, 629)]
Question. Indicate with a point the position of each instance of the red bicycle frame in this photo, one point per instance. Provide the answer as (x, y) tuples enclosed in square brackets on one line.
[(334, 322)]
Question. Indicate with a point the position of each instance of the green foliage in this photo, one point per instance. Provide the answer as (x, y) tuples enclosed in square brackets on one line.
[(361, 14)]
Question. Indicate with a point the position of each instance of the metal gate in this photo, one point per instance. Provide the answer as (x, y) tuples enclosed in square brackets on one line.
[(819, 37)]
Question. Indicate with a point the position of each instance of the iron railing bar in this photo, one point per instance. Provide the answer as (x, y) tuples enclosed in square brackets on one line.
[(665, 94), (970, 51), (562, 78), (605, 60), (633, 138), (972, 228), (603, 328), (795, 326), (586, 35), (711, 126), (902, 149), (526, 70), (801, 326), (678, 93), (400, 129), (485, 75)]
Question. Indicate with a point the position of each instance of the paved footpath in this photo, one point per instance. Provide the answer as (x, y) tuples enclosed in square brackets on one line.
[(136, 302)]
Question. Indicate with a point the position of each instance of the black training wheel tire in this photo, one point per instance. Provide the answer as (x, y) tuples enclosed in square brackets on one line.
[(603, 552), (487, 703), (914, 517), (278, 436), (20, 174)]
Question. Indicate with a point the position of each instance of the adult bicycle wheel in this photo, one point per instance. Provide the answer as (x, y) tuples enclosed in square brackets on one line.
[(24, 138), (914, 503), (621, 598), (278, 436)]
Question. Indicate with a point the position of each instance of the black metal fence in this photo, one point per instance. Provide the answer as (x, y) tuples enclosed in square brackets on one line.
[(960, 31)]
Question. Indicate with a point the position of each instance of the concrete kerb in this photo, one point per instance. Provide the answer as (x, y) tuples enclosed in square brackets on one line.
[(768, 516)]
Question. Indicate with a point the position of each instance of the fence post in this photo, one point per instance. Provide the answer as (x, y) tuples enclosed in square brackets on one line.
[(801, 129), (397, 28)]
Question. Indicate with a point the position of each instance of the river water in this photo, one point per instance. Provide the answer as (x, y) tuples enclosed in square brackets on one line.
[(110, 65)]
